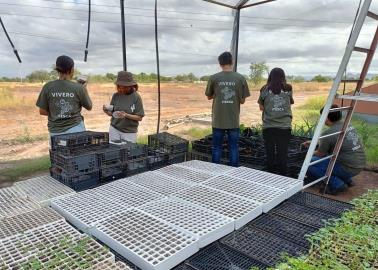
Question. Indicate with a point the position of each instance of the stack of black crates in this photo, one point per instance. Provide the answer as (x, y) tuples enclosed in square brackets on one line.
[(85, 160), (252, 151)]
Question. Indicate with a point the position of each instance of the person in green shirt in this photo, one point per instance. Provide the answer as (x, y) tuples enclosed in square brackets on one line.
[(350, 161), (227, 89), (62, 100), (126, 109), (275, 100)]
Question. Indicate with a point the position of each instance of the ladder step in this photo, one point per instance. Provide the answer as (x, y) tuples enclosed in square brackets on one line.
[(372, 15), (320, 160), (359, 49), (329, 135), (361, 97), (340, 109), (315, 182), (351, 81)]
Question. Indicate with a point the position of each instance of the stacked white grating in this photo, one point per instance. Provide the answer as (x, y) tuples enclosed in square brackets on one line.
[(146, 241), (16, 206), (27, 221), (160, 183), (241, 210), (111, 266), (210, 168), (185, 174), (56, 245), (44, 188), (290, 185), (86, 209), (205, 225), (267, 196)]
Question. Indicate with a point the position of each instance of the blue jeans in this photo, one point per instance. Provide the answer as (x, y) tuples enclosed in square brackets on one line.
[(78, 128), (339, 176), (233, 145)]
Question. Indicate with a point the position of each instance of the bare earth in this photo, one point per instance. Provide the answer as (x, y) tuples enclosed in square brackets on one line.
[(178, 100)]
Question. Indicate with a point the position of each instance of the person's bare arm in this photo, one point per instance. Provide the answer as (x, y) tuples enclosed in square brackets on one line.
[(261, 107), (132, 116), (210, 98), (242, 101), (43, 112)]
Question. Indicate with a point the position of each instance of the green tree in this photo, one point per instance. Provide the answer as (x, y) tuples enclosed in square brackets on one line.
[(111, 76), (257, 71), (205, 78), (375, 78), (321, 78), (39, 76), (296, 79)]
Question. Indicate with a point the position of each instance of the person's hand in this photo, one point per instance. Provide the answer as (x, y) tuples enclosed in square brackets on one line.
[(104, 109), (306, 143), (122, 114)]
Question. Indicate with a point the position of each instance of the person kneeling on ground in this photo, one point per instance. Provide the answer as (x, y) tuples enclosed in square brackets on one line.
[(350, 161), (62, 100), (227, 89), (126, 109)]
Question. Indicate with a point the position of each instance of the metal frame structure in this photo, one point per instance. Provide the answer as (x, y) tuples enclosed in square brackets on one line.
[(236, 29), (10, 41)]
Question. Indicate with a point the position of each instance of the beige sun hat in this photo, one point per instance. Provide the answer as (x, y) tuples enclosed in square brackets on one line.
[(125, 78)]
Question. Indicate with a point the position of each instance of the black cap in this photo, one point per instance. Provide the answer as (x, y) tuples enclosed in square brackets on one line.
[(64, 64)]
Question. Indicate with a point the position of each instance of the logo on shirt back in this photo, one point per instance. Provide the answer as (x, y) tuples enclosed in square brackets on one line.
[(353, 137), (64, 107), (278, 103), (227, 95)]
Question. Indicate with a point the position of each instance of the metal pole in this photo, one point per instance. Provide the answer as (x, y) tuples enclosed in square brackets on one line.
[(123, 34), (10, 41), (235, 39), (157, 66), (89, 28)]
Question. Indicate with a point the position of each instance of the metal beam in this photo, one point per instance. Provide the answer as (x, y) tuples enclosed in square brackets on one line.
[(256, 4), (10, 41), (219, 3), (235, 39), (123, 34), (157, 67), (89, 29)]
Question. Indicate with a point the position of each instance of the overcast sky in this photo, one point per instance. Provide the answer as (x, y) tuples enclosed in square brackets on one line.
[(305, 37)]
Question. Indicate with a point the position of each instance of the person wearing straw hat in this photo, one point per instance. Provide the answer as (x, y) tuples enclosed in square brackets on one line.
[(62, 100), (126, 109)]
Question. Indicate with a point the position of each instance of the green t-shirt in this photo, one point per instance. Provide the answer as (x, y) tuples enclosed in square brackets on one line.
[(131, 104), (227, 89), (63, 100), (352, 155), (277, 108)]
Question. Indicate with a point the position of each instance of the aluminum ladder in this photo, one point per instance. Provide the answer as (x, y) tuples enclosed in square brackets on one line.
[(357, 96)]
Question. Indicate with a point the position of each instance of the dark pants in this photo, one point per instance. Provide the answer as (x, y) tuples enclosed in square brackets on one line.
[(276, 146), (233, 145), (339, 178)]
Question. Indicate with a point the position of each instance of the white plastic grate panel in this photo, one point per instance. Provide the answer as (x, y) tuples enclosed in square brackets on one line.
[(240, 209), (9, 193), (267, 196), (158, 182), (205, 225), (111, 266), (84, 210), (185, 175), (207, 167), (146, 241), (24, 222), (290, 185), (43, 189), (16, 206)]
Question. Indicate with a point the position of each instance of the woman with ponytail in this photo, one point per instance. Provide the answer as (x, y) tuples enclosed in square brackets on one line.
[(276, 98), (126, 109)]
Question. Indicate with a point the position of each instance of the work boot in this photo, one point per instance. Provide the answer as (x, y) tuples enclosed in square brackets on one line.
[(333, 191)]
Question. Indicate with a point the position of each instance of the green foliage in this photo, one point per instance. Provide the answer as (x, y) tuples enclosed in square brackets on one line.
[(197, 133), (350, 242), (321, 78), (375, 78), (257, 71), (39, 76), (369, 136), (295, 79), (205, 78), (314, 103)]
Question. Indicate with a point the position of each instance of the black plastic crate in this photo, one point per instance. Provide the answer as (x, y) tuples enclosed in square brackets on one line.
[(285, 228), (167, 142), (112, 155), (77, 182), (195, 155), (176, 158), (111, 173), (202, 146), (79, 139), (135, 151), (79, 161), (156, 159), (315, 201), (136, 166), (306, 215), (218, 256), (262, 246)]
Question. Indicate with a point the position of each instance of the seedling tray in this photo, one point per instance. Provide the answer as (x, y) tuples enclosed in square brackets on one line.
[(167, 142), (79, 139), (306, 215), (329, 205), (262, 246), (285, 228), (218, 256)]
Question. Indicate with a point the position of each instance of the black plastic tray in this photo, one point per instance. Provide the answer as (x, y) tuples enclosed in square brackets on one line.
[(170, 143), (218, 256), (284, 228), (262, 246), (312, 200), (79, 139), (307, 215)]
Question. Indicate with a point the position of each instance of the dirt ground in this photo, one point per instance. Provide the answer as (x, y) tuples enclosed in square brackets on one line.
[(178, 100)]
